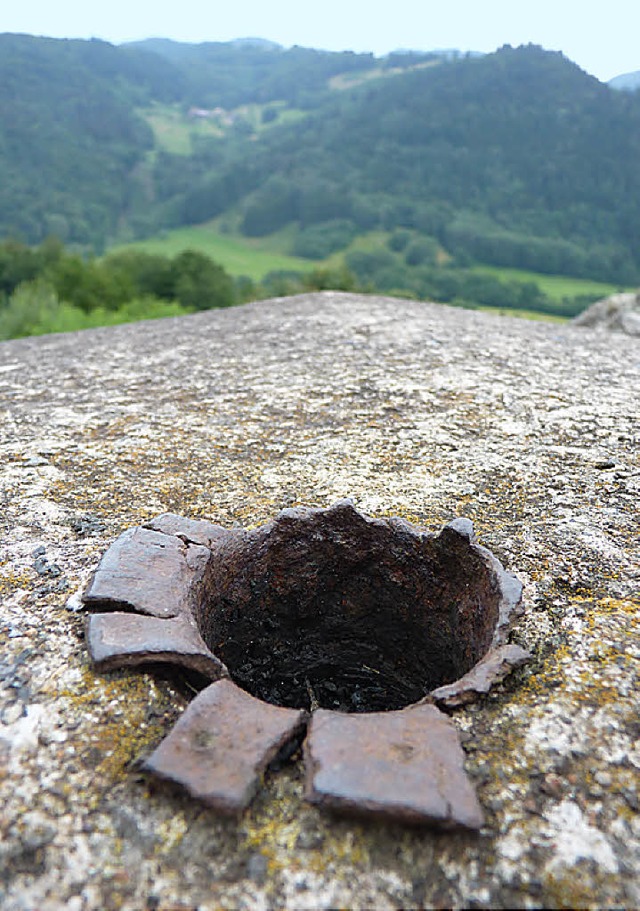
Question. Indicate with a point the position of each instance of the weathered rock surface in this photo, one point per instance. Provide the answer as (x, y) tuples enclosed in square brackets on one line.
[(411, 409), (617, 313)]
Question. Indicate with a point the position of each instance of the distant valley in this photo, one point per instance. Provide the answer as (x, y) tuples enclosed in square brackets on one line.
[(441, 175)]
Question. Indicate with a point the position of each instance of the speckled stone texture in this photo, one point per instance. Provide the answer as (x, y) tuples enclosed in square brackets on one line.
[(411, 409)]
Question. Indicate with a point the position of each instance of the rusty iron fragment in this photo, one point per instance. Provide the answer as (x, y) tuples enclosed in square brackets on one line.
[(507, 587), (363, 622), (491, 670), (222, 744), (194, 531), (147, 572), (334, 608), (405, 765), (125, 640)]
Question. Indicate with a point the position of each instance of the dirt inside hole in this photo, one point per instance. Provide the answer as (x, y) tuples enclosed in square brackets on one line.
[(333, 609)]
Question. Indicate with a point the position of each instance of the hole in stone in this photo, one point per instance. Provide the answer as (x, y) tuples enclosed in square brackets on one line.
[(333, 609)]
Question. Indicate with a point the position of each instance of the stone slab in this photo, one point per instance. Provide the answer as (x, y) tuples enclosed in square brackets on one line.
[(410, 408), (406, 765), (222, 744)]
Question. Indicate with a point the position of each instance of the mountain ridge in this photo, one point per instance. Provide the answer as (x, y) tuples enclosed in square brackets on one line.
[(516, 158), (626, 81)]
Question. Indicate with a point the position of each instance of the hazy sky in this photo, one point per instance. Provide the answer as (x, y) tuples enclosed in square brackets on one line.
[(602, 37)]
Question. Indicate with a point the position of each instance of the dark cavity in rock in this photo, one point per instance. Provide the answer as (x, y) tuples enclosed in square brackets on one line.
[(333, 609)]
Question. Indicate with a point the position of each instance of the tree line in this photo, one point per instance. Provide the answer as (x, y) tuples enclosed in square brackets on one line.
[(51, 289)]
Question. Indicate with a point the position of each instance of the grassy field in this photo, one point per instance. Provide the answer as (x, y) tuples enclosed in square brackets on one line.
[(239, 256), (256, 257), (173, 132), (556, 287), (350, 79)]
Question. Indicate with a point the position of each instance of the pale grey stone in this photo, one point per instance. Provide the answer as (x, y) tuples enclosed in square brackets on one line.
[(410, 409)]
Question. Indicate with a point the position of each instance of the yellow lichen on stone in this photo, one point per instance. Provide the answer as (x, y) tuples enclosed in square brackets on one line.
[(170, 834), (568, 890), (10, 579), (274, 827), (115, 731)]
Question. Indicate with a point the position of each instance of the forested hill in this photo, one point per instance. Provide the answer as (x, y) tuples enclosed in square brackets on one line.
[(627, 82), (517, 158), (75, 148), (70, 137), (230, 74)]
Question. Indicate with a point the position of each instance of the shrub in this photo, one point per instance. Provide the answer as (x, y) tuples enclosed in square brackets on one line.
[(146, 273), (31, 307), (321, 240), (399, 239), (421, 251), (199, 283)]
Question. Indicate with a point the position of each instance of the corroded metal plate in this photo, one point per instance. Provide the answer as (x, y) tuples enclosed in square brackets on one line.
[(222, 744), (406, 765)]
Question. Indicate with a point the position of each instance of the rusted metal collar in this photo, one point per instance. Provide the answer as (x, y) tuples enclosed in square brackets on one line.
[(355, 630)]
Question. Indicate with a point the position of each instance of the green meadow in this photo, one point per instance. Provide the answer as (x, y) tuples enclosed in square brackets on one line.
[(556, 287), (175, 131), (239, 256), (257, 257)]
